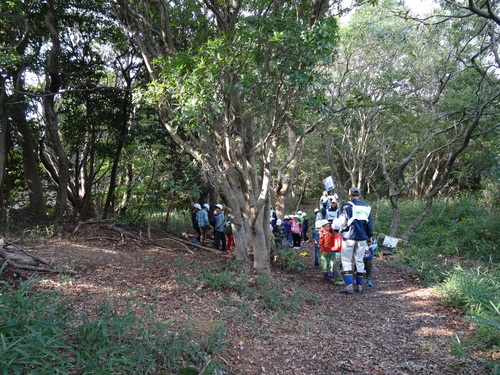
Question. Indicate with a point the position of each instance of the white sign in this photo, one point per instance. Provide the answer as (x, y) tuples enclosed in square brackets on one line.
[(328, 182), (390, 241)]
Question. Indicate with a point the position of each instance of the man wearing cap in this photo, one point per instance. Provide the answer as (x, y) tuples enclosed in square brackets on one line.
[(203, 223), (194, 221), (332, 212), (356, 228), (219, 235)]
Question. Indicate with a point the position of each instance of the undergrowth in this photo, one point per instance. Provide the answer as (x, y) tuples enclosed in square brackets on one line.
[(262, 292), (40, 334), (455, 250)]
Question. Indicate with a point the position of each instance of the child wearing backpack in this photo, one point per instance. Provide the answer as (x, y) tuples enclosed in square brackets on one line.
[(315, 238), (330, 242), (368, 260), (296, 230)]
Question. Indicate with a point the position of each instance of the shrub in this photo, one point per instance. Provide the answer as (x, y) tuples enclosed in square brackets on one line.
[(477, 291)]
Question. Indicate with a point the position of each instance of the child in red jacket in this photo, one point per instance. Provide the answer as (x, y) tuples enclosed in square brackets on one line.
[(330, 244)]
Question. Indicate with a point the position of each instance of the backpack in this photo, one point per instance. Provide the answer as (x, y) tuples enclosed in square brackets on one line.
[(295, 227)]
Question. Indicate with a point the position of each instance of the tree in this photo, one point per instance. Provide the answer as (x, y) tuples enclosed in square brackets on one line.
[(410, 79), (246, 81), (20, 46)]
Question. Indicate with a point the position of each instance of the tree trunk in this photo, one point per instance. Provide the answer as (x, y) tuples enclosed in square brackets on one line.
[(261, 251), (287, 176), (396, 217), (110, 197), (129, 171), (4, 124), (52, 86), (30, 163)]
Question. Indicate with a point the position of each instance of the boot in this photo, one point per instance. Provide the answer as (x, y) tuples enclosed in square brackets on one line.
[(359, 282), (326, 275), (348, 280)]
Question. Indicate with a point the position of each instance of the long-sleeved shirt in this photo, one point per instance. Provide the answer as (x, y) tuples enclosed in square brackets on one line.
[(202, 218), (356, 220), (219, 224), (329, 241)]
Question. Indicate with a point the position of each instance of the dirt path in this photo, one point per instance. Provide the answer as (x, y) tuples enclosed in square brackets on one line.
[(394, 327)]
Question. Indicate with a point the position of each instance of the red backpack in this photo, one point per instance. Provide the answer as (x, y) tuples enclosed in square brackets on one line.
[(295, 227)]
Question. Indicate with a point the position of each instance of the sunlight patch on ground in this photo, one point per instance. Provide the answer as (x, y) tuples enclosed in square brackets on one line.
[(435, 332)]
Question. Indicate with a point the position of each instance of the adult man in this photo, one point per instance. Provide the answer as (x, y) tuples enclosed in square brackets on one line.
[(356, 223), (219, 235), (203, 224), (332, 212)]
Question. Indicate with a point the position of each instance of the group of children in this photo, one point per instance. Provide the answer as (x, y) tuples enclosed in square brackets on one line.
[(293, 230), (327, 243)]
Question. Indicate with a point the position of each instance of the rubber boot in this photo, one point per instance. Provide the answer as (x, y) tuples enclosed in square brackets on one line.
[(326, 275), (348, 280), (369, 282), (359, 283)]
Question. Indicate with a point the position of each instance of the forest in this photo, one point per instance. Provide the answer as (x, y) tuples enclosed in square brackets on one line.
[(131, 111)]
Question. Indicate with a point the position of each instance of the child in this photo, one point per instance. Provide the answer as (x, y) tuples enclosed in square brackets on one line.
[(305, 227), (296, 230), (368, 260), (228, 231), (194, 221), (288, 234), (319, 215), (315, 238), (219, 235), (329, 245), (336, 249), (279, 234)]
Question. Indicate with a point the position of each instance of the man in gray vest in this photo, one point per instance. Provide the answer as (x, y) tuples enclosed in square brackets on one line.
[(356, 229)]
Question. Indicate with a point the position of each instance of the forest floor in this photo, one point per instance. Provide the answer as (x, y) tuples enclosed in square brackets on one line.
[(394, 327)]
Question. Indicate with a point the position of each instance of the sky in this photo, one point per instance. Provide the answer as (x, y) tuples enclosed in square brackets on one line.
[(419, 7)]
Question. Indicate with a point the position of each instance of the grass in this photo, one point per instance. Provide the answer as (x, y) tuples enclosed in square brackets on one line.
[(40, 334), (455, 250)]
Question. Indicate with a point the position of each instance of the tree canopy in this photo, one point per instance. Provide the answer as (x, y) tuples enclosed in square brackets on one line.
[(125, 108)]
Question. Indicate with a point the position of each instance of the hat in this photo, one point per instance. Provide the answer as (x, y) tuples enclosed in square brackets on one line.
[(316, 210), (287, 217), (219, 206), (207, 206), (304, 214), (299, 212), (297, 216), (197, 205), (336, 224), (278, 222), (215, 213), (324, 222), (355, 192), (317, 224)]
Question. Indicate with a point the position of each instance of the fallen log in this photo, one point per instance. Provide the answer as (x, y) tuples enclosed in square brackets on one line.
[(38, 269), (187, 242), (17, 257), (18, 254), (108, 224)]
